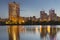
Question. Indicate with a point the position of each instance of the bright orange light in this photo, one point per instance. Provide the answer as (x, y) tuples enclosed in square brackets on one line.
[(14, 36), (36, 29), (23, 21), (48, 28), (40, 28)]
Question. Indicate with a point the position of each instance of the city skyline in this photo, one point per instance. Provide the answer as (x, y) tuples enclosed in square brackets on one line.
[(30, 7)]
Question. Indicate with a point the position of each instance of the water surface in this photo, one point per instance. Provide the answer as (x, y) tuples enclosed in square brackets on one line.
[(31, 32)]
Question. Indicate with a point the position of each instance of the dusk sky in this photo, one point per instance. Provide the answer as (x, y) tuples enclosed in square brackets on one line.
[(30, 7)]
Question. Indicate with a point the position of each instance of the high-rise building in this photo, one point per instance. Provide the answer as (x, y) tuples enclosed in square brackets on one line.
[(43, 16), (14, 11), (52, 15)]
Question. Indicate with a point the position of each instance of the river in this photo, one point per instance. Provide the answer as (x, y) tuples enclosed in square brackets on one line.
[(32, 32)]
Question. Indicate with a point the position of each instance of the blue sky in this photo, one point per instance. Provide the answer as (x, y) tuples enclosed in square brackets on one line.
[(30, 7)]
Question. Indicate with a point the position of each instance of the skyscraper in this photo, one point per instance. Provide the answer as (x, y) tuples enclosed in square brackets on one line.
[(14, 11), (52, 15), (43, 16)]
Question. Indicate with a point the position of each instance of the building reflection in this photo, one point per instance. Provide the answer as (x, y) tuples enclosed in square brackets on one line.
[(46, 32), (51, 30), (43, 32), (52, 33), (13, 32)]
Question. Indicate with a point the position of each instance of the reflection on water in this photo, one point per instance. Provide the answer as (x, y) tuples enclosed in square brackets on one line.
[(13, 32), (36, 32)]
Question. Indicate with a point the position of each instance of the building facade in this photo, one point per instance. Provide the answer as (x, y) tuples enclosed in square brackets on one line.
[(14, 11), (52, 15), (43, 16)]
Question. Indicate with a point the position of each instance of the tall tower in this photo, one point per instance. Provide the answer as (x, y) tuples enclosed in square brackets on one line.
[(14, 11), (52, 15), (43, 16)]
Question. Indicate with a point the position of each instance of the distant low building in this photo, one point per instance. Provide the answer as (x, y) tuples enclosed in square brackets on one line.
[(58, 18), (21, 20)]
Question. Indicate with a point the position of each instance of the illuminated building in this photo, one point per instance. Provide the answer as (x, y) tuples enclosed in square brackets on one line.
[(14, 11), (43, 16), (58, 18), (21, 20), (52, 15)]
